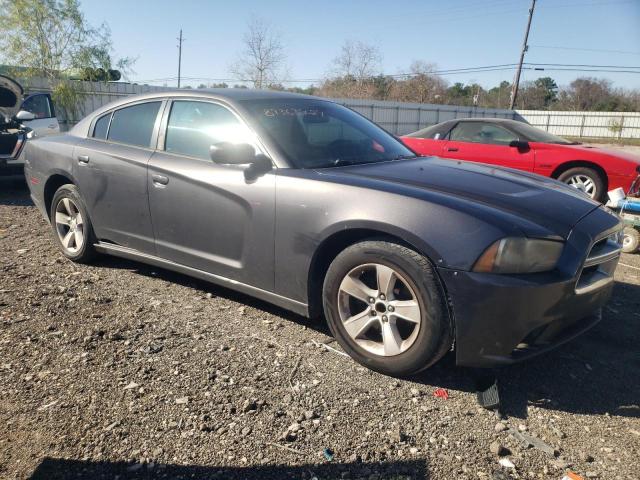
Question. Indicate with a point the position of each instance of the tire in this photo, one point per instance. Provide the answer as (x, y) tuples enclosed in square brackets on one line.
[(587, 177), (414, 282), (631, 241), (71, 225)]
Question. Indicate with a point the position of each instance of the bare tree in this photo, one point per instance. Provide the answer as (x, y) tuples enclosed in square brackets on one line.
[(352, 73), (262, 61), (358, 60), (421, 86)]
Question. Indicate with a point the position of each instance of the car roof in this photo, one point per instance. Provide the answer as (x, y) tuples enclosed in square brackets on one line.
[(232, 94), (228, 95), (485, 119)]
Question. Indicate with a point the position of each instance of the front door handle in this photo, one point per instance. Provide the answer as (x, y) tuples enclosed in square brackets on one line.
[(83, 158), (452, 149), (159, 179)]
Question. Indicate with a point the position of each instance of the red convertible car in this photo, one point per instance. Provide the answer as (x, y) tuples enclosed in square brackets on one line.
[(514, 144)]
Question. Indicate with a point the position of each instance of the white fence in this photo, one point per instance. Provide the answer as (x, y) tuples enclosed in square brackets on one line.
[(401, 118), (585, 124)]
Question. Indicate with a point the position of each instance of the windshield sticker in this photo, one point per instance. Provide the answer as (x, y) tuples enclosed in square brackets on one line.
[(292, 112)]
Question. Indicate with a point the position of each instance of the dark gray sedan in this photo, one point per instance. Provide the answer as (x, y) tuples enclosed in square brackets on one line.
[(306, 204)]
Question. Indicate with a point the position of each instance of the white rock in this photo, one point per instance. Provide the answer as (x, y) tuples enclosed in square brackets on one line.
[(506, 463)]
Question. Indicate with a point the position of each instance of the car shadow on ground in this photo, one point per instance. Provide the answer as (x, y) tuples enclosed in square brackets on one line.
[(14, 191), (596, 373), (61, 469)]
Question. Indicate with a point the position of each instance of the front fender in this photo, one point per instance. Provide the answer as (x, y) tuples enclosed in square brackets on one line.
[(309, 212)]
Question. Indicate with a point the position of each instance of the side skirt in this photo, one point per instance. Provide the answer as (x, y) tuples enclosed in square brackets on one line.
[(131, 254)]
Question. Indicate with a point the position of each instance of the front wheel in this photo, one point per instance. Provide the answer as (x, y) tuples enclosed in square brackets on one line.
[(585, 179), (631, 240), (385, 306)]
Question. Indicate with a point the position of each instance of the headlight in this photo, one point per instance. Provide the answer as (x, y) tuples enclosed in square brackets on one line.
[(519, 255)]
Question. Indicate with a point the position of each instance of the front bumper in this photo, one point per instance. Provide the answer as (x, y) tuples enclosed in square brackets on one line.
[(502, 319)]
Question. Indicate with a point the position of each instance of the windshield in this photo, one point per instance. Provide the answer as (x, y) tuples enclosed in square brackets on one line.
[(429, 132), (533, 134), (321, 134)]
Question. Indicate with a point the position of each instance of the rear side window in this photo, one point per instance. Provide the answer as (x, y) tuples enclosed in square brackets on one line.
[(102, 125), (39, 105), (134, 125)]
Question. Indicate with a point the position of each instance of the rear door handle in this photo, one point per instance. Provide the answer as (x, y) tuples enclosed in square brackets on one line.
[(452, 149), (52, 126), (83, 158), (159, 179)]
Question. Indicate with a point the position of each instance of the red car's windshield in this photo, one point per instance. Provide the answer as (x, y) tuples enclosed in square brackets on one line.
[(532, 134)]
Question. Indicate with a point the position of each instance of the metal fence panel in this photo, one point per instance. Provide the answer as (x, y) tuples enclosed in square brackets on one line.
[(585, 124)]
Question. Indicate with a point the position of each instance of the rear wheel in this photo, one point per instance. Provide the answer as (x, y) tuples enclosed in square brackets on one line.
[(385, 307), (586, 179), (631, 240), (71, 225)]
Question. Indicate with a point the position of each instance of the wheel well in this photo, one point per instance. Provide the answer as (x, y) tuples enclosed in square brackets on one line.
[(582, 163), (327, 251), (54, 182)]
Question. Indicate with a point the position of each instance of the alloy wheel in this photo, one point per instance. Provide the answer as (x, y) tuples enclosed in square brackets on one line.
[(379, 309), (69, 225), (584, 183)]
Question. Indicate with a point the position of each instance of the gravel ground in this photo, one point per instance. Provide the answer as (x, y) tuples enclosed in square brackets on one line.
[(118, 370)]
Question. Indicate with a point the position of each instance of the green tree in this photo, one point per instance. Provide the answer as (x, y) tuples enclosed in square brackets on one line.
[(549, 88), (460, 94), (53, 40)]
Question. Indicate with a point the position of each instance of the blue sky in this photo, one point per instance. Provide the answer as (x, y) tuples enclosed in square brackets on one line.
[(450, 34)]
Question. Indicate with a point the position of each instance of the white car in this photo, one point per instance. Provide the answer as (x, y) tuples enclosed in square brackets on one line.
[(21, 117)]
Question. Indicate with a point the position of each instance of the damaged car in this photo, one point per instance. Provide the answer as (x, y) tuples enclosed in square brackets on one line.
[(306, 204), (21, 117)]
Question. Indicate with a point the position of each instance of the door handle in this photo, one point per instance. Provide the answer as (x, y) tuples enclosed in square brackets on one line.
[(83, 158), (159, 179), (452, 149), (52, 126)]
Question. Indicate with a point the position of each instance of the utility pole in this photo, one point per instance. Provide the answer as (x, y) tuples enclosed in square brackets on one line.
[(179, 56), (525, 47)]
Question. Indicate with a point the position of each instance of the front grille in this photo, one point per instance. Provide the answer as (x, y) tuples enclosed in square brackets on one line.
[(600, 264)]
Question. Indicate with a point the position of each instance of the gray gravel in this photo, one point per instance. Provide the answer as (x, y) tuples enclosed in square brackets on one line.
[(119, 370)]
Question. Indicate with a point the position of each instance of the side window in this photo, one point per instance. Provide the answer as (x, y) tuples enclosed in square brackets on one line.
[(101, 127), (39, 105), (194, 126), (134, 125), (479, 132)]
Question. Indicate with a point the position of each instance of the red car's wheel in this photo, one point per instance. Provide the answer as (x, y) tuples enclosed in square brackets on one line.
[(585, 179)]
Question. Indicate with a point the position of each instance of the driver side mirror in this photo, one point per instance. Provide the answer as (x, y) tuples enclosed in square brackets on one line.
[(225, 153), (519, 144), (25, 116)]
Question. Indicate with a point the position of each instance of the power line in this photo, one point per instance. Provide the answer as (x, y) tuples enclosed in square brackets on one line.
[(625, 52), (532, 66), (588, 4), (582, 65)]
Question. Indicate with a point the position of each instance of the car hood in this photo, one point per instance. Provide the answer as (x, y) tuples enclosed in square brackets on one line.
[(549, 204), (588, 150), (10, 96)]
